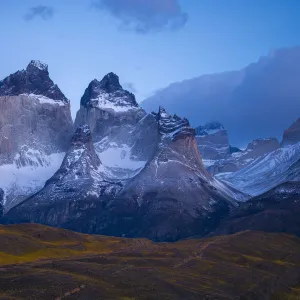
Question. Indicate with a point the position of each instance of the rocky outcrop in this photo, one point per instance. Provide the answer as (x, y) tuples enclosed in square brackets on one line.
[(266, 171), (106, 107), (219, 157), (81, 174), (122, 133), (260, 147), (240, 159), (212, 141), (275, 211), (35, 130), (291, 135), (81, 177), (172, 197), (34, 80), (175, 186)]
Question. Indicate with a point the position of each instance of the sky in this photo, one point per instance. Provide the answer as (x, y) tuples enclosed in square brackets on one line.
[(148, 43)]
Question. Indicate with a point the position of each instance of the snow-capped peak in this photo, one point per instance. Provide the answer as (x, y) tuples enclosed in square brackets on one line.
[(108, 94), (162, 113), (110, 82), (34, 80), (37, 64), (173, 126)]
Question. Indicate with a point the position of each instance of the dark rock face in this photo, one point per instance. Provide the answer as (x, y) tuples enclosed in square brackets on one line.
[(34, 80), (108, 89), (259, 147), (219, 157), (172, 197), (80, 177), (209, 128), (35, 130), (291, 136), (240, 159), (234, 149), (212, 141), (266, 172), (121, 131), (175, 183), (108, 109), (275, 211)]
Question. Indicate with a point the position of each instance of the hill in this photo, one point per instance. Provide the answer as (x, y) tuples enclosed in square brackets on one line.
[(39, 262)]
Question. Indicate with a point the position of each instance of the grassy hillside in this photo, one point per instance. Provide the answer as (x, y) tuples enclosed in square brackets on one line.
[(39, 262)]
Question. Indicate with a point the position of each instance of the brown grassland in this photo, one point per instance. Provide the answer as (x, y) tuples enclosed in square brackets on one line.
[(40, 262)]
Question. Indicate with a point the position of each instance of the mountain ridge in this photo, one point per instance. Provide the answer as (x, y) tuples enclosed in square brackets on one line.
[(235, 98)]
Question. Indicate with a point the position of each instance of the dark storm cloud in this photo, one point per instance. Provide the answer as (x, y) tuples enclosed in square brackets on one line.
[(145, 16), (40, 11)]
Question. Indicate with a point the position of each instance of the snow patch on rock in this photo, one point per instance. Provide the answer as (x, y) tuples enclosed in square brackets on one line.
[(22, 181)]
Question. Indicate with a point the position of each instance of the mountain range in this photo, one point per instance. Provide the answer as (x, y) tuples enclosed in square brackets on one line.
[(258, 101), (118, 170)]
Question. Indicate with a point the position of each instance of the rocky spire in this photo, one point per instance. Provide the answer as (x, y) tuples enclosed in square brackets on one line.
[(80, 160), (107, 92), (173, 126), (110, 83), (37, 66), (82, 136), (33, 80)]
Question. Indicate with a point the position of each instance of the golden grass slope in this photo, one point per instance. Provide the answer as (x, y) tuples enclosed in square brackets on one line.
[(40, 262)]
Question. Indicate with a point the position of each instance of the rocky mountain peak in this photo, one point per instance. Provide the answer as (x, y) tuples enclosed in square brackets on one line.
[(108, 94), (209, 128), (162, 112), (37, 66), (110, 82), (271, 143), (172, 126), (212, 141), (34, 80), (80, 160), (82, 146)]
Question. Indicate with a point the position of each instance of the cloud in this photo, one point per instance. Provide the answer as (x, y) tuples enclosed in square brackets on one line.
[(130, 87), (145, 16), (40, 11)]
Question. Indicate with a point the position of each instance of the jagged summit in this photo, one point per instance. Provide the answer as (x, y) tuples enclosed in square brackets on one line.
[(173, 126), (33, 81), (108, 94), (213, 143), (37, 65), (110, 82), (271, 142), (209, 128)]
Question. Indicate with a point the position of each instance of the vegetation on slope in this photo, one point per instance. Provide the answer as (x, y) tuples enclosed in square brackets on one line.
[(39, 262)]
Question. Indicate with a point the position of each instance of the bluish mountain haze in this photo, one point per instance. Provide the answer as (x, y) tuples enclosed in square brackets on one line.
[(258, 101)]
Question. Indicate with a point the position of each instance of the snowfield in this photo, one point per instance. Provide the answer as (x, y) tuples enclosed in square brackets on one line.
[(265, 172), (22, 181)]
